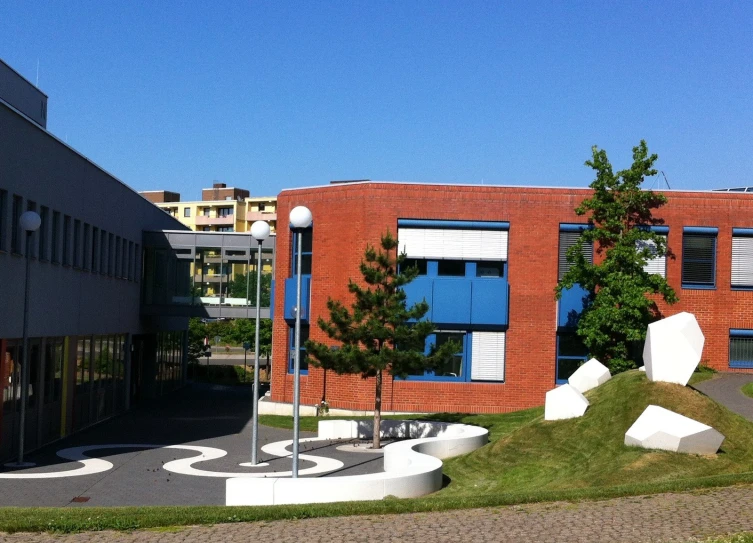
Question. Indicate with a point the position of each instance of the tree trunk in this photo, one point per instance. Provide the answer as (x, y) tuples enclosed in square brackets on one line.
[(376, 443)]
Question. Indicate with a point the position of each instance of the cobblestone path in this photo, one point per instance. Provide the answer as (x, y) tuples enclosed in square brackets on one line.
[(660, 518)]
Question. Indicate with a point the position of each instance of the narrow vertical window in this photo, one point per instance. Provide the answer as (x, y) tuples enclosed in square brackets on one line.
[(95, 249), (31, 206), (44, 214), (3, 219), (55, 240), (111, 254), (85, 250), (66, 240), (15, 234), (116, 272), (103, 252), (76, 243)]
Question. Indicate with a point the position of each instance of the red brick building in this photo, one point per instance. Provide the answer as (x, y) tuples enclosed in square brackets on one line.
[(533, 225)]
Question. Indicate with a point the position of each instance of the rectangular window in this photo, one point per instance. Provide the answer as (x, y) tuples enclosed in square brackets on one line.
[(116, 271), (44, 214), (225, 212), (130, 261), (137, 263), (85, 251), (306, 254), (76, 243), (31, 206), (15, 234), (740, 348), (291, 349), (571, 353), (656, 265), (490, 269), (742, 258), (569, 236), (699, 257), (206, 212), (95, 250), (224, 228), (420, 263), (3, 218), (451, 268), (111, 254), (66, 240), (186, 211), (488, 356), (454, 367), (459, 240), (55, 239), (103, 252)]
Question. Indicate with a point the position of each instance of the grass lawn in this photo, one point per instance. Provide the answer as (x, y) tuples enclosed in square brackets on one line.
[(748, 389), (527, 460)]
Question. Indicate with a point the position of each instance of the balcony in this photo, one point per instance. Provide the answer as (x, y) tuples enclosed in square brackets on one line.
[(203, 220), (261, 216)]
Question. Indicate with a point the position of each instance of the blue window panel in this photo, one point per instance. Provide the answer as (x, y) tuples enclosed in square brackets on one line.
[(290, 298), (571, 305), (571, 353), (418, 290), (489, 302), (742, 232), (451, 301)]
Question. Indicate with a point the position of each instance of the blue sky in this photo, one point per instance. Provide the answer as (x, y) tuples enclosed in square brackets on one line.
[(270, 95)]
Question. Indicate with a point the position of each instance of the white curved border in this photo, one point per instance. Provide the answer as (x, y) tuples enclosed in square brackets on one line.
[(183, 466), (412, 468)]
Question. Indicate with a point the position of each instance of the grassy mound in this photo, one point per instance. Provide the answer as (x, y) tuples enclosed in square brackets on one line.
[(589, 452)]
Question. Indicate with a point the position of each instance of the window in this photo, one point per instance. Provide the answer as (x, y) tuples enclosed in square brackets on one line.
[(186, 211), (31, 206), (85, 251), (77, 243), (103, 252), (15, 234), (569, 236), (225, 212), (453, 368), (699, 257), (111, 254), (571, 353), (742, 258), (740, 348), (452, 268), (453, 240), (124, 260), (291, 349), (306, 253), (44, 214), (490, 269), (130, 261), (420, 263), (116, 271), (55, 241), (262, 207), (95, 250), (66, 240), (206, 212), (224, 228), (137, 263), (658, 264), (3, 217), (488, 356)]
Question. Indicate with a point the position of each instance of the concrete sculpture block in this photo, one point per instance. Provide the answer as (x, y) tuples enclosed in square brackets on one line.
[(659, 428), (590, 375), (564, 402), (673, 349)]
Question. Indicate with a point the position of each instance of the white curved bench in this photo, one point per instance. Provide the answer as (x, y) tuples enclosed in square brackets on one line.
[(412, 468)]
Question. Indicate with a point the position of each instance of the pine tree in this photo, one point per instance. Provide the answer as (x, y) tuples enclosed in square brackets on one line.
[(621, 304), (379, 333)]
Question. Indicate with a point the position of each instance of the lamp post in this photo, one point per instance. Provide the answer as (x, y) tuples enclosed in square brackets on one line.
[(300, 219), (29, 223), (260, 232)]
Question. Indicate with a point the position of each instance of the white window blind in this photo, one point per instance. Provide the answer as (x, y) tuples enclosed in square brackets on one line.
[(656, 265), (742, 261), (450, 244), (567, 240), (488, 356)]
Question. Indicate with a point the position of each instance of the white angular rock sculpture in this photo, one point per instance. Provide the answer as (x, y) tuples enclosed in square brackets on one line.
[(564, 402), (590, 375), (659, 428), (673, 349)]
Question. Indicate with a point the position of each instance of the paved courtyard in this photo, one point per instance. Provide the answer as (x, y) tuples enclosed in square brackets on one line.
[(206, 419)]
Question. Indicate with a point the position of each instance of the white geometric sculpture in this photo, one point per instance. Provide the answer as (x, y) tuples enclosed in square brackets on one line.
[(659, 428), (564, 402), (673, 349), (590, 375)]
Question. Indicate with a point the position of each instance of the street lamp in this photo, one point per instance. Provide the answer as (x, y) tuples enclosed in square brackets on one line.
[(29, 222), (260, 232), (300, 219)]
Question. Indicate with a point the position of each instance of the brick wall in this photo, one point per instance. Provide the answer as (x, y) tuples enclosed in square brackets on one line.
[(347, 217)]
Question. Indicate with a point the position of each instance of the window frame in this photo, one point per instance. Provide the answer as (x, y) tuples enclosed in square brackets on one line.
[(465, 367), (739, 334), (305, 331), (699, 232)]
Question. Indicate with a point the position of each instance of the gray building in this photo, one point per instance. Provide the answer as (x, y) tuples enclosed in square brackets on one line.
[(92, 352)]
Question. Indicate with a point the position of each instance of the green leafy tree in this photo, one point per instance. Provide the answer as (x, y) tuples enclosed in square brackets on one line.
[(237, 288), (379, 333), (623, 296)]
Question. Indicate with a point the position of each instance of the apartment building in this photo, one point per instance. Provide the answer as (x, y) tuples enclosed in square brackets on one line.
[(489, 260)]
